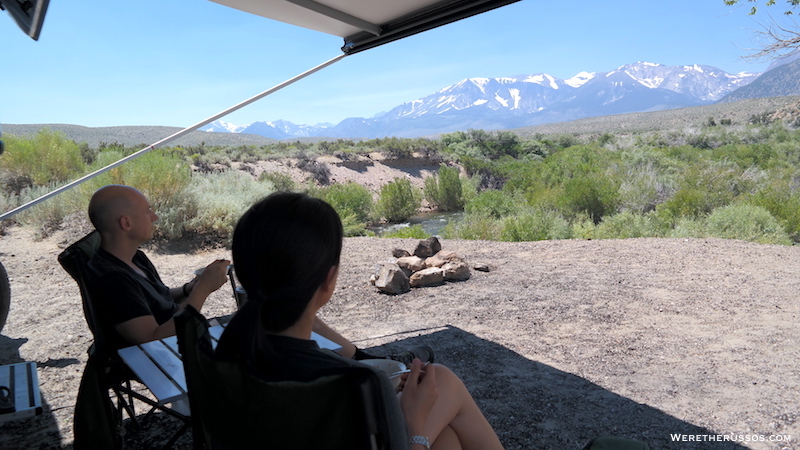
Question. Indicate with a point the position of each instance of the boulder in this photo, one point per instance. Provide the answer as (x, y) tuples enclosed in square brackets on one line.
[(456, 271), (443, 257), (390, 279), (432, 276), (482, 267), (411, 264), (428, 247), (400, 253)]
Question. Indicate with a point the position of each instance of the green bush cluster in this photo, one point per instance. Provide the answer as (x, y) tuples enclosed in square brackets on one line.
[(409, 232), (660, 187), (398, 200), (352, 201), (492, 203), (48, 157), (213, 204), (280, 181), (444, 190)]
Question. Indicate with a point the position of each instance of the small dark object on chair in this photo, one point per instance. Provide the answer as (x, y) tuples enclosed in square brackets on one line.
[(6, 401)]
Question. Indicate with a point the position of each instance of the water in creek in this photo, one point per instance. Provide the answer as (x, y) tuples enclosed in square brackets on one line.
[(431, 222)]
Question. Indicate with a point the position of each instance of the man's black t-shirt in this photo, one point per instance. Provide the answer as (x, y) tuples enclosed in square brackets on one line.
[(121, 294)]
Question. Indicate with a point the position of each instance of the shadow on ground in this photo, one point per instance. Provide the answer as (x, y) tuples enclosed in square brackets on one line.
[(32, 432), (531, 405), (534, 406)]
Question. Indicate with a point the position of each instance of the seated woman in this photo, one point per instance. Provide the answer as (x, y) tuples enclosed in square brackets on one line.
[(286, 249)]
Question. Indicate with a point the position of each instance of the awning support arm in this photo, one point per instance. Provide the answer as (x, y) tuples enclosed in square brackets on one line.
[(160, 143)]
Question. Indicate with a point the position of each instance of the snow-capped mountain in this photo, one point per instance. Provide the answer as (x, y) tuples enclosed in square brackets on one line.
[(510, 102), (220, 126)]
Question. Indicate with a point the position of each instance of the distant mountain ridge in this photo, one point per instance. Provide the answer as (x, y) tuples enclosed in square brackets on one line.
[(665, 120), (526, 100), (781, 81)]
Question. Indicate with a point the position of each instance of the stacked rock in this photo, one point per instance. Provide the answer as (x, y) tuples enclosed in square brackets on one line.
[(429, 265)]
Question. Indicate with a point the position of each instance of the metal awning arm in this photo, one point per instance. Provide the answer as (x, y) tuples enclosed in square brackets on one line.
[(171, 138)]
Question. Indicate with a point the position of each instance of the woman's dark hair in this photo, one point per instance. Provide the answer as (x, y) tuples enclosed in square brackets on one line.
[(283, 248)]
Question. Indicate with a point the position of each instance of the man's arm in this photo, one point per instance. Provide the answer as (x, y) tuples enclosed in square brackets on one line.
[(145, 328), (348, 348)]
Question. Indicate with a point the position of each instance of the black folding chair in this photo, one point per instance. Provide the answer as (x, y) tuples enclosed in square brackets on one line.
[(233, 408), (98, 422)]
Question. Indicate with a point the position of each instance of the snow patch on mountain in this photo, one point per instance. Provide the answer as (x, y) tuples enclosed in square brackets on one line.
[(579, 79)]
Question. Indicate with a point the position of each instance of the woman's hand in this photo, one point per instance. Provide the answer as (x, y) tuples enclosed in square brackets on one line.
[(418, 396)]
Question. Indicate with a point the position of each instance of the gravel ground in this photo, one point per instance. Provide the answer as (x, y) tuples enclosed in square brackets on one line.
[(560, 342)]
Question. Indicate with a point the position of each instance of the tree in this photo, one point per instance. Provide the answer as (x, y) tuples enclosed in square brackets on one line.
[(780, 40), (754, 8)]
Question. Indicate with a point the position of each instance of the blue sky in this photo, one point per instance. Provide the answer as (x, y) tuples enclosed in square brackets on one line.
[(176, 62)]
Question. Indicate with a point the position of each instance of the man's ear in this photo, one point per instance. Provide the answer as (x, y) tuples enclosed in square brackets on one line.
[(124, 223)]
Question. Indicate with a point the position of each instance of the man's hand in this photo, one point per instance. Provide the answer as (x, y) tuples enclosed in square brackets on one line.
[(212, 278)]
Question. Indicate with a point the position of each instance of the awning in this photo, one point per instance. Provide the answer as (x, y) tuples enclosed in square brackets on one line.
[(364, 24), (28, 14)]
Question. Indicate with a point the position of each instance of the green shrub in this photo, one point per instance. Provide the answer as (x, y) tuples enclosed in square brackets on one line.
[(688, 227), (159, 175), (643, 188), (583, 227), (354, 227), (398, 200), (410, 232), (594, 195), (47, 157), (280, 181), (627, 224), (688, 203), (475, 227), (444, 191), (782, 200), (746, 222), (348, 199), (220, 199), (319, 171), (534, 225), (493, 203), (47, 216)]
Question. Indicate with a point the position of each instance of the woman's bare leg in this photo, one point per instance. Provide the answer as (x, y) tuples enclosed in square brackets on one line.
[(457, 410), (447, 440)]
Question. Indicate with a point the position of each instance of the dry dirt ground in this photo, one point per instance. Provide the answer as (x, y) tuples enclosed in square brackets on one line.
[(560, 342)]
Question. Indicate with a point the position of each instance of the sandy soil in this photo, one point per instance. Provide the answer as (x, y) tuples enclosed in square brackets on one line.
[(560, 342)]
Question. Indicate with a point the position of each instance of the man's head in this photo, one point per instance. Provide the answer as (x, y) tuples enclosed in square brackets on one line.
[(122, 211)]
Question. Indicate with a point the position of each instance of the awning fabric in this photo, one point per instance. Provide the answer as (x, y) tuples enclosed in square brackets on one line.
[(365, 24)]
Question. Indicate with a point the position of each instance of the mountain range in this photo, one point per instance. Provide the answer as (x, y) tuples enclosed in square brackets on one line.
[(527, 100)]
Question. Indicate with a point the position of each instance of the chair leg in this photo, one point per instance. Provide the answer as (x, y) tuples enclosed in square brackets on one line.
[(122, 404), (153, 407)]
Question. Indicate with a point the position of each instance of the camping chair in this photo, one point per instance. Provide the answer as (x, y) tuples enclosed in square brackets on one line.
[(96, 418), (233, 408)]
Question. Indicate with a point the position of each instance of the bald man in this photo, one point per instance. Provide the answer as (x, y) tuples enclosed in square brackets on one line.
[(133, 303)]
